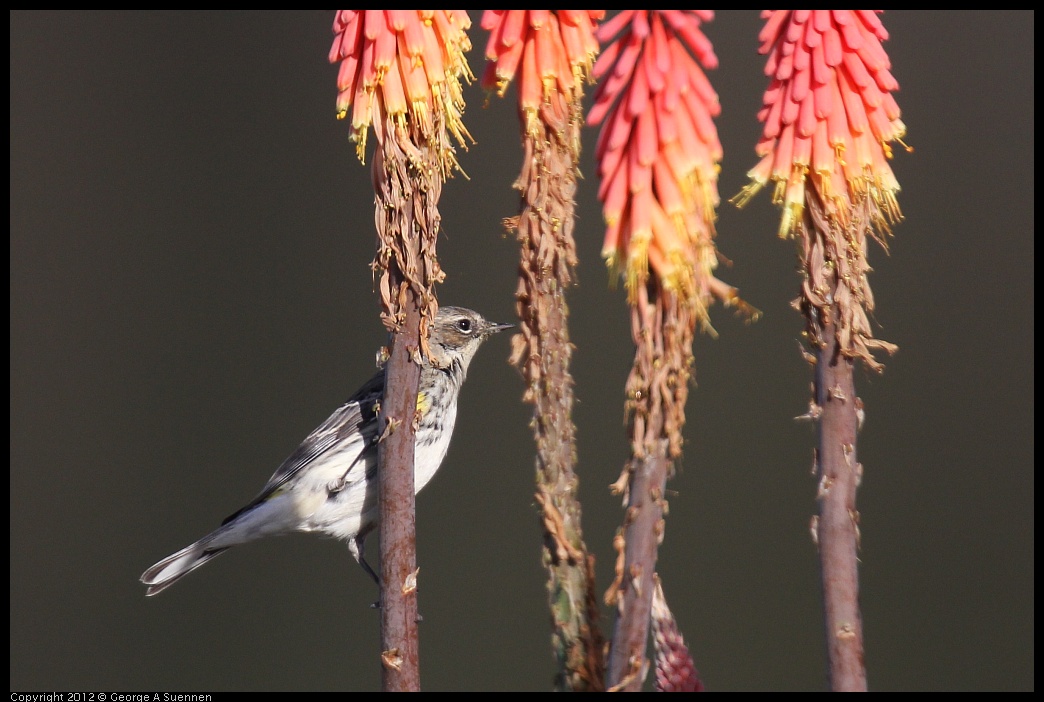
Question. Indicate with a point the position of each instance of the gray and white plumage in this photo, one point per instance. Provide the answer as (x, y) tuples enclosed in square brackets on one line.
[(327, 485)]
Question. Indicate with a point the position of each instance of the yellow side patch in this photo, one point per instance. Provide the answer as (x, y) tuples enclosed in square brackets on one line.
[(277, 492), (422, 403)]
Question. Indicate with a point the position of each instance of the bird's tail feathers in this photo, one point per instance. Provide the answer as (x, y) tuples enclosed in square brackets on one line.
[(177, 565)]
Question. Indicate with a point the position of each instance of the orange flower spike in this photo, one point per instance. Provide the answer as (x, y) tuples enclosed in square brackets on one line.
[(853, 102), (624, 225), (505, 66), (689, 146), (666, 236), (489, 81), (822, 153), (700, 113), (832, 84), (772, 113), (656, 107), (837, 121), (397, 19), (570, 74), (347, 26), (687, 24), (608, 165), (790, 106), (619, 130), (668, 190), (611, 244), (613, 27), (624, 66), (546, 53), (491, 19), (606, 58), (550, 43), (660, 264), (433, 61), (516, 27), (802, 153), (636, 101), (451, 38), (347, 46), (412, 42), (347, 75), (373, 23), (393, 92), (821, 87), (367, 81), (613, 190), (641, 213), (579, 42), (640, 155), (768, 33), (530, 86), (416, 84), (342, 18), (409, 61), (666, 121), (538, 19), (658, 52), (576, 52)]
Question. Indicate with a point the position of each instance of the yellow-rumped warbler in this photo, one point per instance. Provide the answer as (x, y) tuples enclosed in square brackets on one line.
[(328, 485)]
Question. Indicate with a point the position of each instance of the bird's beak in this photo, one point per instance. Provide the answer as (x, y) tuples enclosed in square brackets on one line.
[(493, 328)]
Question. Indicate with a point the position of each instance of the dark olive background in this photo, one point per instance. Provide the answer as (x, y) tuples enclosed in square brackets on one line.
[(190, 295)]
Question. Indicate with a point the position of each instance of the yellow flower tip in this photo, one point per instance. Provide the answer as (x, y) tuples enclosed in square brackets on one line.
[(747, 193), (670, 281), (909, 149), (729, 297), (493, 79), (788, 222), (887, 147), (636, 269), (550, 86), (839, 154), (613, 267), (638, 249), (531, 117), (359, 137), (634, 278)]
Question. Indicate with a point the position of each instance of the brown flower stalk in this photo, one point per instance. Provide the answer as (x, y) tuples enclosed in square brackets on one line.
[(829, 117), (551, 53), (400, 72), (658, 154)]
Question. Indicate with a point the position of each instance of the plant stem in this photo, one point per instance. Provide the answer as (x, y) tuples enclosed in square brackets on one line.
[(838, 522), (398, 603), (643, 528)]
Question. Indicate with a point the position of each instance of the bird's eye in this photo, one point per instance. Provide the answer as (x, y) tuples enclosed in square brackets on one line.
[(464, 325)]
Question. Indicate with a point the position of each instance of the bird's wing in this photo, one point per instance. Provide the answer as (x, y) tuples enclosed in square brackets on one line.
[(354, 416)]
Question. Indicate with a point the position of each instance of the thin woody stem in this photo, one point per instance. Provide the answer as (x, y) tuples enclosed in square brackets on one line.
[(543, 353), (643, 527), (398, 604), (662, 330), (832, 301), (407, 184), (838, 523)]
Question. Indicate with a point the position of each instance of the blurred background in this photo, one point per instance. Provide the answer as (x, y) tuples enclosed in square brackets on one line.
[(190, 295)]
